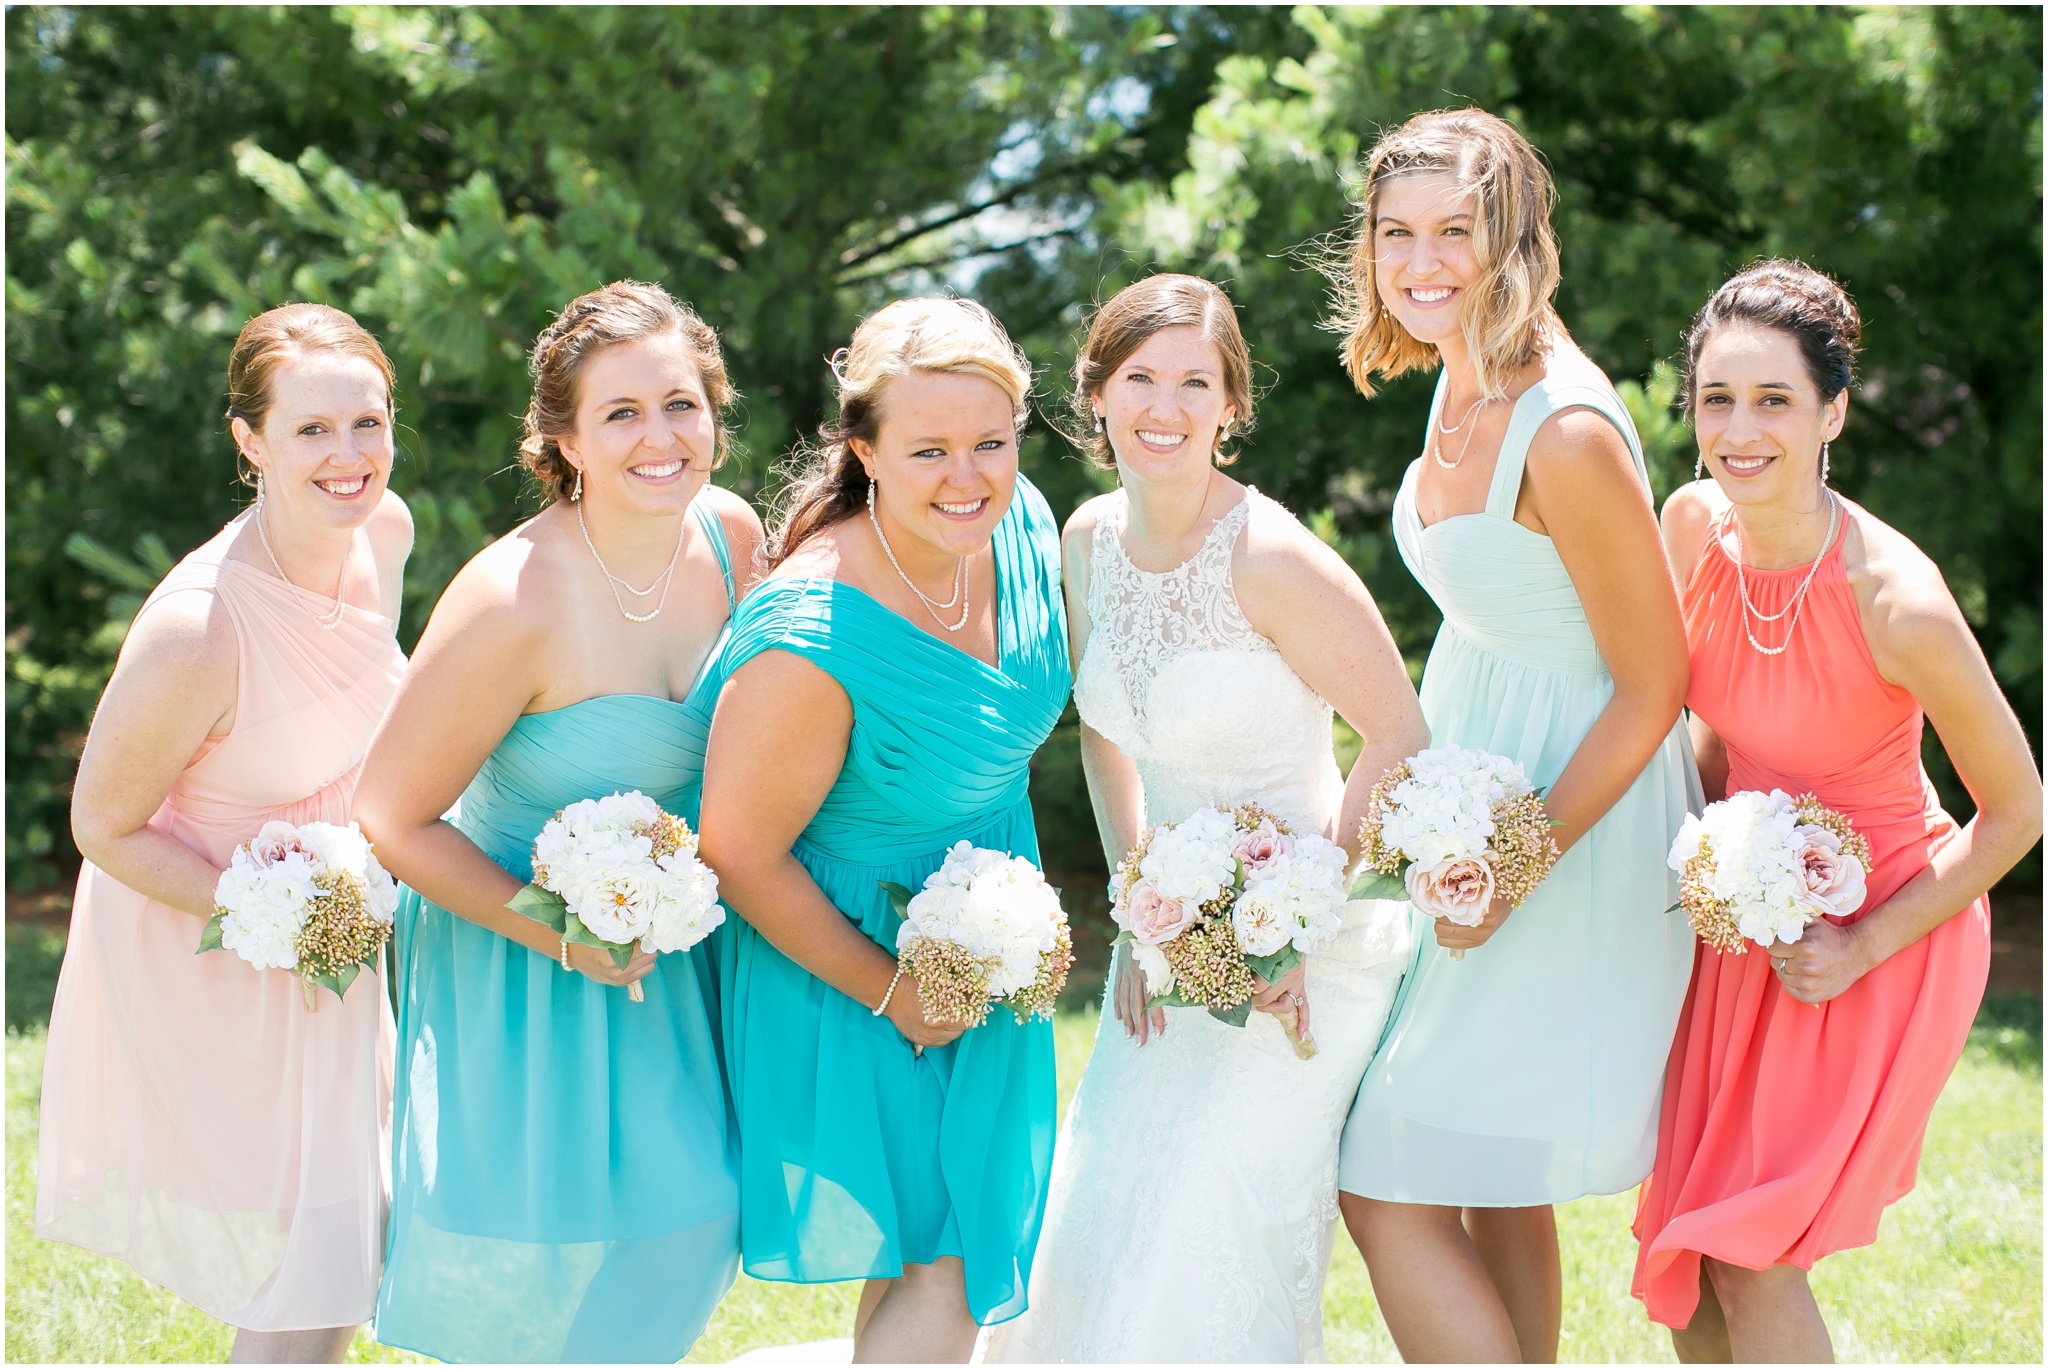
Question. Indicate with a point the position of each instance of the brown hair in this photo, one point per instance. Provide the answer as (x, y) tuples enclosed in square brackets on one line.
[(274, 337), (1508, 316), (936, 336), (624, 311), (1787, 297), (1132, 316)]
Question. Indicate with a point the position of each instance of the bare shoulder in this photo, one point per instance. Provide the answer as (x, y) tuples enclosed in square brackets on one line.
[(507, 593), (1079, 534), (1580, 444), (821, 557), (1688, 514), (1909, 615), (183, 639), (390, 527), (738, 517), (1278, 555)]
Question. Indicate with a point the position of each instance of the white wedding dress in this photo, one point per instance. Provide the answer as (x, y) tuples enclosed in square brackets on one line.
[(1194, 1189)]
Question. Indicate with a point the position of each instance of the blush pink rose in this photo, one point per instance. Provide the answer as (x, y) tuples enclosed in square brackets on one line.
[(1261, 846), (1834, 880), (273, 842), (1459, 889), (1153, 918)]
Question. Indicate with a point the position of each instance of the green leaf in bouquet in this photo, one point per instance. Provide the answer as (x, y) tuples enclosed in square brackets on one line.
[(344, 978), (209, 940), (325, 981), (899, 897), (1236, 1016), (1379, 884), (542, 905), (574, 930), (1271, 967)]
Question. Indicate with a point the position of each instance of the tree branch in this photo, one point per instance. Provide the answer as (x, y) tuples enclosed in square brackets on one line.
[(926, 265)]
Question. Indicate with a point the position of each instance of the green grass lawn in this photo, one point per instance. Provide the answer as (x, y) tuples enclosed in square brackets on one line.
[(1955, 1275)]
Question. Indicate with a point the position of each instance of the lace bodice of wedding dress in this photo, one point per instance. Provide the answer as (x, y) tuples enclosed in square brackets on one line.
[(1182, 683), (1194, 1185)]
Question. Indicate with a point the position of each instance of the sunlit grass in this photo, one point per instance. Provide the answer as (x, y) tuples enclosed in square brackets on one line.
[(1955, 1274)]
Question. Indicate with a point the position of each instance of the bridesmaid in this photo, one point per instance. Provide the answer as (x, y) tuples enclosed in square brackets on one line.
[(1802, 1078), (562, 1163), (1527, 1073), (889, 682), (197, 1121)]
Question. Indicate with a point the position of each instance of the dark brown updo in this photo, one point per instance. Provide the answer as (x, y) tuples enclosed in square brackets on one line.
[(1131, 317), (1787, 297), (624, 311)]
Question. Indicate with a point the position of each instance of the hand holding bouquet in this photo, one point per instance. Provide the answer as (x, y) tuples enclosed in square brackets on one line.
[(1760, 867), (618, 872), (1210, 900), (310, 898), (1450, 830), (985, 929)]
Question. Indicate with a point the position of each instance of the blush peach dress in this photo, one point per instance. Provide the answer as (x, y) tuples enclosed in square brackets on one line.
[(1787, 1128), (197, 1121)]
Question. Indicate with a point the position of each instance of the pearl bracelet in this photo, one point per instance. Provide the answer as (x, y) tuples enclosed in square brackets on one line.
[(894, 979), (565, 953)]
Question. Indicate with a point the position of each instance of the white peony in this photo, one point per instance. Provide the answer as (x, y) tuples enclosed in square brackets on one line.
[(619, 904), (1193, 860), (992, 905), (1260, 916), (265, 907), (688, 910)]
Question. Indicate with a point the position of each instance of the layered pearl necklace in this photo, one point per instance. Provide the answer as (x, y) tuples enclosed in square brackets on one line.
[(1749, 610), (661, 581), (931, 605), (1436, 446), (329, 620)]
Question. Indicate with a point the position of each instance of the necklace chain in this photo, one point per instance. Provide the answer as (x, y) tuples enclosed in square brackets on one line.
[(1798, 599), (1436, 446), (931, 605), (332, 618), (664, 580)]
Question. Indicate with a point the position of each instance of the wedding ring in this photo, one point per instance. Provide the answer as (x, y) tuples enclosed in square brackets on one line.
[(1295, 999)]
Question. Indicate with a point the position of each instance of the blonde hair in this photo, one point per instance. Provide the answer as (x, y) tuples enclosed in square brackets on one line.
[(935, 336), (1132, 316), (624, 311), (1507, 318), (274, 337)]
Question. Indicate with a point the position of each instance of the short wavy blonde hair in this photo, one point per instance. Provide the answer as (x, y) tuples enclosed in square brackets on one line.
[(1508, 316), (939, 336)]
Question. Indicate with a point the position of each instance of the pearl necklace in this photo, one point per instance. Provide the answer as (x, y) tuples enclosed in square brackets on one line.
[(931, 605), (1436, 448), (1798, 599), (332, 618), (664, 580)]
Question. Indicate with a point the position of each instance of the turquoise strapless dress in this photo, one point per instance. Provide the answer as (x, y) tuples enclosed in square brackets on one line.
[(858, 1157), (562, 1158), (1530, 1071)]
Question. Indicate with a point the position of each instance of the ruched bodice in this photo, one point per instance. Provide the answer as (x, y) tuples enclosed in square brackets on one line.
[(1527, 1073), (947, 1152), (562, 1158), (1181, 682), (197, 1121)]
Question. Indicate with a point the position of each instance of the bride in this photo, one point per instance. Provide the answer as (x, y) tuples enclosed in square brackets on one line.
[(1194, 1187)]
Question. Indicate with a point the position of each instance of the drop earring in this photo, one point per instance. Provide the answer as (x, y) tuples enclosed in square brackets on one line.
[(576, 495), (1699, 467), (1101, 424), (1823, 463)]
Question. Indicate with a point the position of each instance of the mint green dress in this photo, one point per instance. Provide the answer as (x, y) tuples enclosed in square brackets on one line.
[(563, 1162), (857, 1156), (1529, 1072)]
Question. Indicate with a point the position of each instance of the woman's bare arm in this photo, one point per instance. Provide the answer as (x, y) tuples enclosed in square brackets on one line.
[(778, 741), (173, 687), (1920, 641)]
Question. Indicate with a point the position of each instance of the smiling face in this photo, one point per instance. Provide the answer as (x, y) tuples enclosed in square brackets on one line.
[(944, 461), (1166, 405), (325, 446), (1423, 257), (1759, 417), (645, 435)]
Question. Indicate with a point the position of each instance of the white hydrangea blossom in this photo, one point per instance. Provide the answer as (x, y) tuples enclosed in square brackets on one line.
[(597, 854), (1192, 860), (1754, 840), (1444, 809), (268, 891), (990, 904)]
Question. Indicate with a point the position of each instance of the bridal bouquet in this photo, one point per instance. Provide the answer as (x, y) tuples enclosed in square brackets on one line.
[(1450, 830), (309, 898), (616, 872), (985, 929), (1760, 867), (1208, 901)]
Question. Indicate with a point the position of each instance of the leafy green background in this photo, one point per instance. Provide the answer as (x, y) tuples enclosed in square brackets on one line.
[(453, 175)]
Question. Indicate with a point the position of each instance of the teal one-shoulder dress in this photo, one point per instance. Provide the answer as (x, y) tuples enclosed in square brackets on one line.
[(563, 1166), (1529, 1072), (858, 1156)]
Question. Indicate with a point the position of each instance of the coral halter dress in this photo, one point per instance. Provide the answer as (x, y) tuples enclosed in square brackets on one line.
[(1787, 1128)]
